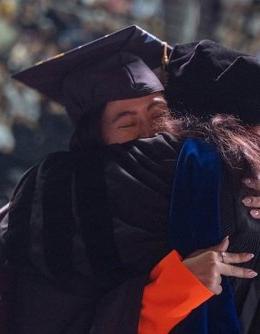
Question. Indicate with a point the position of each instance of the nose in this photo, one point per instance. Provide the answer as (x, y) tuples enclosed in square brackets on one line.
[(146, 129)]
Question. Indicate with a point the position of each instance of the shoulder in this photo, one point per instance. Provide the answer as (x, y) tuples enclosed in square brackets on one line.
[(52, 164), (160, 147)]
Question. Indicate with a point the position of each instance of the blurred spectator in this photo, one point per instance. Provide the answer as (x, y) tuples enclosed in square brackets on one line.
[(32, 30), (8, 33)]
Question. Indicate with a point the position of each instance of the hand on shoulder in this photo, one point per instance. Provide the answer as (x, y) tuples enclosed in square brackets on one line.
[(253, 202), (209, 265)]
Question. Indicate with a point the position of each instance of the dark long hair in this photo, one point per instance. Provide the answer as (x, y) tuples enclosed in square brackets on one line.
[(87, 134), (239, 144)]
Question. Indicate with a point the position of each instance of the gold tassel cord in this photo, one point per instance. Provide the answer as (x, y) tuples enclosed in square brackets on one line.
[(164, 61), (165, 58)]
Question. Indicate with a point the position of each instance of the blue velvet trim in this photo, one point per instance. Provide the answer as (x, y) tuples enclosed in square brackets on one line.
[(194, 223)]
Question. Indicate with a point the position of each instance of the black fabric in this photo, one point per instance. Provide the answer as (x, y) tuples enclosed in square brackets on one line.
[(16, 239), (122, 76), (96, 225), (140, 173), (206, 78), (67, 191), (62, 254), (128, 55), (54, 180), (254, 328), (244, 237), (75, 297), (119, 310), (49, 277)]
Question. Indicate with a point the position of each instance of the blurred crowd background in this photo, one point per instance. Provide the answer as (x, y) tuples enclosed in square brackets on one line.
[(32, 30)]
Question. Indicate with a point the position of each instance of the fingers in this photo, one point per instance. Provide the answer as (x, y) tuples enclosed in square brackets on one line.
[(208, 266), (252, 183), (255, 213), (228, 258), (252, 201), (218, 290), (222, 246), (227, 269), (233, 271), (219, 280)]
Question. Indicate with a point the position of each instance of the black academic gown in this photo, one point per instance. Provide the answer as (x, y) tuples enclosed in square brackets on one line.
[(75, 280)]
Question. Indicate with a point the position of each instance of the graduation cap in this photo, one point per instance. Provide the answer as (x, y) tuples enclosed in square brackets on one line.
[(206, 78), (113, 67)]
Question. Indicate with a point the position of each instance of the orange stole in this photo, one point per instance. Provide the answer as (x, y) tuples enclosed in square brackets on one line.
[(172, 293)]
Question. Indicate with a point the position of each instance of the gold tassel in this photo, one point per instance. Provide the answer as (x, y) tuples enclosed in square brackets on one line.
[(164, 61), (165, 58)]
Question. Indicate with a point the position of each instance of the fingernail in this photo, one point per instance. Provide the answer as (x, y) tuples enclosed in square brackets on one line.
[(227, 237), (252, 273), (251, 255), (247, 200), (255, 213), (247, 181)]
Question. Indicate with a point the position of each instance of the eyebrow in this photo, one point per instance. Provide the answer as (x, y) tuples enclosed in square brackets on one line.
[(123, 114), (156, 103), (132, 113)]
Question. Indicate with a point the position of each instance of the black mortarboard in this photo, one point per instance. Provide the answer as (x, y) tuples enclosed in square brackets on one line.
[(114, 67), (205, 78)]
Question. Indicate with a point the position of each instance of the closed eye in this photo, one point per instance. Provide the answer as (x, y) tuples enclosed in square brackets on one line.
[(125, 126)]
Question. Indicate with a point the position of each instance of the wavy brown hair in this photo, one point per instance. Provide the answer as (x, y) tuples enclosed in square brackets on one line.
[(238, 144)]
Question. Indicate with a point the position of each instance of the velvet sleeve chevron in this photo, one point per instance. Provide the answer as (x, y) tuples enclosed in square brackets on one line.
[(59, 219)]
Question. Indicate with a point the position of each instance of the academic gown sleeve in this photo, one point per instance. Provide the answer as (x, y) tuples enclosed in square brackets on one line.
[(171, 294), (54, 286)]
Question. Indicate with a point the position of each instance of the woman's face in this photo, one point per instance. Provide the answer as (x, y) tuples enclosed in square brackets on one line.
[(129, 119)]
